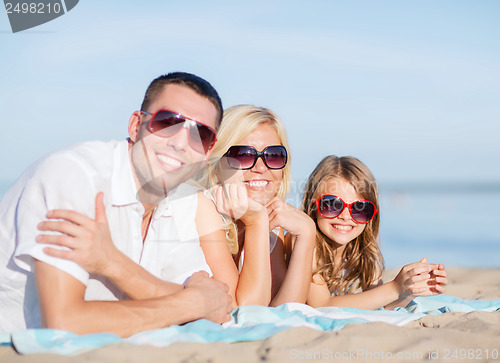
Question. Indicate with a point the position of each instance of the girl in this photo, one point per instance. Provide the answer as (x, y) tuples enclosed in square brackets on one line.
[(248, 177), (341, 197)]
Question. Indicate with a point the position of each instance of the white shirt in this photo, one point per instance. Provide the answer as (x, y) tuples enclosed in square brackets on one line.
[(70, 179)]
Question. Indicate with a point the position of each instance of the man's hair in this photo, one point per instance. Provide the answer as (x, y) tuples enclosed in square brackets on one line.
[(197, 84)]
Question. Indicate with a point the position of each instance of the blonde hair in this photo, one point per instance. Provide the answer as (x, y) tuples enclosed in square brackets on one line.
[(237, 123), (364, 263)]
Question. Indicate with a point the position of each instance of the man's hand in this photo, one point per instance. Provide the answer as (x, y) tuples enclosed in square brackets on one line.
[(88, 240), (213, 295)]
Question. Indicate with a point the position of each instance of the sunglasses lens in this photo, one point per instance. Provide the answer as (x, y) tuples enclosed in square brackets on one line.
[(362, 211), (275, 157), (330, 206), (166, 123), (201, 137), (241, 157)]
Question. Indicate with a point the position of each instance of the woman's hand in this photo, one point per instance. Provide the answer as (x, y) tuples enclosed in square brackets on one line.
[(286, 216), (291, 283), (232, 200), (88, 240)]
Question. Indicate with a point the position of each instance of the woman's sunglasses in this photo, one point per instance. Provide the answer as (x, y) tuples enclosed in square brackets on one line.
[(166, 123), (244, 157), (331, 206)]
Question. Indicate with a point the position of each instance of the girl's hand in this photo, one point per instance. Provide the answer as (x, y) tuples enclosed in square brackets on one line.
[(289, 218), (88, 240), (421, 279), (412, 278), (438, 279), (232, 199)]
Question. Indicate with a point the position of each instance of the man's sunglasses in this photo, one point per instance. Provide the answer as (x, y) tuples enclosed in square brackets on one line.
[(244, 157), (166, 123), (331, 206)]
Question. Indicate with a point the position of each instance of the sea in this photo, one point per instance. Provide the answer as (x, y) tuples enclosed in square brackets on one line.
[(450, 223), (456, 224)]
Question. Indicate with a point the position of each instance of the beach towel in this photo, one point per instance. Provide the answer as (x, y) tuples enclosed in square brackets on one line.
[(247, 323)]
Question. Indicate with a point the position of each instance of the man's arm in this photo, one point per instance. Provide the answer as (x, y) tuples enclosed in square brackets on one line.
[(89, 244), (62, 305)]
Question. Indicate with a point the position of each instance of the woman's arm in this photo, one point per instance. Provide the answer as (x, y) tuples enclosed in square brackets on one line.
[(253, 287), (293, 282), (213, 241)]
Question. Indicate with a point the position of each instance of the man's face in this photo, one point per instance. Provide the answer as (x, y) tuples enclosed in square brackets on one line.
[(162, 163)]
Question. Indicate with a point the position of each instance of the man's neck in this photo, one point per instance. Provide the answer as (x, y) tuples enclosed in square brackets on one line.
[(148, 209)]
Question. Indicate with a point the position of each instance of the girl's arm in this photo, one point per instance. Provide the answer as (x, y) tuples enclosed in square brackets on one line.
[(292, 284), (412, 280), (372, 299), (434, 285), (253, 286)]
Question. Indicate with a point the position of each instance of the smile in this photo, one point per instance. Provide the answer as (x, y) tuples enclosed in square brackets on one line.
[(342, 228), (257, 183), (168, 161)]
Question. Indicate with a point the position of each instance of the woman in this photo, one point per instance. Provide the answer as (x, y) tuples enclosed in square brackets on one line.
[(247, 181)]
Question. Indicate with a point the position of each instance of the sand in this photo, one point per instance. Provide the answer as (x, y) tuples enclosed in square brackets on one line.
[(450, 337)]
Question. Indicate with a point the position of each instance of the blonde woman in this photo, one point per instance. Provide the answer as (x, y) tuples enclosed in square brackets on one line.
[(247, 181)]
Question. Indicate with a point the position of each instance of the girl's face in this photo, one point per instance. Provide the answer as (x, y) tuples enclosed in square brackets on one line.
[(341, 229), (261, 183)]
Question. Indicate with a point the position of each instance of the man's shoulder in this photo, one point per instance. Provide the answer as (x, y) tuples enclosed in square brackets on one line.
[(88, 150), (89, 155)]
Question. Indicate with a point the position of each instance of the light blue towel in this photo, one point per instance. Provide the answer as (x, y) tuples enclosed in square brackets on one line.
[(248, 323)]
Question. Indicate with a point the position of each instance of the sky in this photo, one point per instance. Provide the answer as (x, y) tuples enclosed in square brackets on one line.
[(412, 88)]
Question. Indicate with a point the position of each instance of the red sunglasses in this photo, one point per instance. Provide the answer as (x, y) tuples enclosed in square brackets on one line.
[(165, 123), (331, 206)]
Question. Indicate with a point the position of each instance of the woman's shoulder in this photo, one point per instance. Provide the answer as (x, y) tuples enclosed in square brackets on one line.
[(206, 202)]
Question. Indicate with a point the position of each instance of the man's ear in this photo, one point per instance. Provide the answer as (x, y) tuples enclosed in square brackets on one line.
[(133, 125)]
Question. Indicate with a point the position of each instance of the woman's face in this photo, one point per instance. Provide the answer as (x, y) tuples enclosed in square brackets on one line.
[(343, 228), (261, 183)]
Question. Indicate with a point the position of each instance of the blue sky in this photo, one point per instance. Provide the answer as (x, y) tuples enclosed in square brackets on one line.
[(412, 88)]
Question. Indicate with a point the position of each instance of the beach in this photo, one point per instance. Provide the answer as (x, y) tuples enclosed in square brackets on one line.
[(448, 337)]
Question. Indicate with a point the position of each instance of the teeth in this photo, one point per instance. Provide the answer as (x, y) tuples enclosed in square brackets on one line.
[(257, 183), (342, 228), (169, 161)]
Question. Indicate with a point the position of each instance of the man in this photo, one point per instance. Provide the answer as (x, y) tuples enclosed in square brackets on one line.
[(143, 215)]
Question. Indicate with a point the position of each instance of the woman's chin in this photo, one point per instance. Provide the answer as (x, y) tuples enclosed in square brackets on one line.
[(260, 198)]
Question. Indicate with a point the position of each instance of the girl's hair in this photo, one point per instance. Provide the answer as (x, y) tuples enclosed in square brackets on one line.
[(363, 261), (239, 122)]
